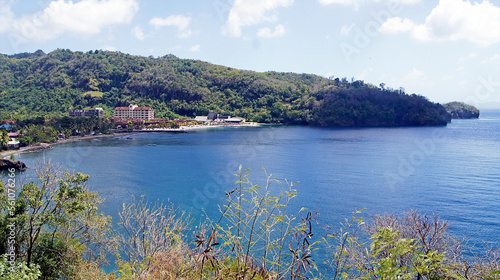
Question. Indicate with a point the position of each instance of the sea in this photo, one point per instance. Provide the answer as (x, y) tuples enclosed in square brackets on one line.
[(452, 171)]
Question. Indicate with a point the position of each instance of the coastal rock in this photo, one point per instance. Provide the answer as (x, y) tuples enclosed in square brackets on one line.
[(459, 110), (6, 164)]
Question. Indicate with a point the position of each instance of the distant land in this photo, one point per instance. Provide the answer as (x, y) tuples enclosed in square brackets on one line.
[(460, 110), (49, 85)]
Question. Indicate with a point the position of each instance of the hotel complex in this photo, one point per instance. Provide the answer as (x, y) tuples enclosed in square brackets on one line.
[(77, 113), (135, 112)]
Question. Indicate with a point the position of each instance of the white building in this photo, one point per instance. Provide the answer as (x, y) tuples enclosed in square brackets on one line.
[(77, 113), (13, 144), (134, 112), (201, 119), (219, 118), (234, 120)]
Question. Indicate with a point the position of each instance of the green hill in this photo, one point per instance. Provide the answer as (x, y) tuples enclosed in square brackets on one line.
[(460, 110), (40, 84)]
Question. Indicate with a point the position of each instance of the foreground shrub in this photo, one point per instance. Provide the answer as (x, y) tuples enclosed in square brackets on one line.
[(61, 234), (147, 232), (57, 222), (18, 270)]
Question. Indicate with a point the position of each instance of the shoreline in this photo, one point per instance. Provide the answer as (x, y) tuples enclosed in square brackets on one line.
[(198, 127), (45, 146)]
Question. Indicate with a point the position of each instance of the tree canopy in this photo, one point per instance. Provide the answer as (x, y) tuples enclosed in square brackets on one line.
[(459, 110), (48, 85)]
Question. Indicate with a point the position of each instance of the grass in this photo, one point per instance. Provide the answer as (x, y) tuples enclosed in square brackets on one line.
[(94, 93)]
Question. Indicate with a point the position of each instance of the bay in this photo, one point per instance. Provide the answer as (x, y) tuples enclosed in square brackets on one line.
[(453, 171)]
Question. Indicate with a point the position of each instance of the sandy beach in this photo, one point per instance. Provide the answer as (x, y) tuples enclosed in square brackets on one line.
[(198, 127), (43, 146)]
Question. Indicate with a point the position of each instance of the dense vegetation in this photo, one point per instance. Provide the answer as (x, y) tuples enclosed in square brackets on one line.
[(39, 84), (40, 130), (52, 228), (460, 110)]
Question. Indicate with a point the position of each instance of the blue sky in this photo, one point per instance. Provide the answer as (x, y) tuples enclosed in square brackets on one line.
[(445, 50)]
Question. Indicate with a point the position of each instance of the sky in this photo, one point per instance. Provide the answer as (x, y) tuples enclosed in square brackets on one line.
[(446, 50)]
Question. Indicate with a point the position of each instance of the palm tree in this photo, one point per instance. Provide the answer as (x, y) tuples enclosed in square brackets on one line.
[(4, 139)]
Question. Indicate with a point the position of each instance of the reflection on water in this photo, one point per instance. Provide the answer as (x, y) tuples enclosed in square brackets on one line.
[(453, 171)]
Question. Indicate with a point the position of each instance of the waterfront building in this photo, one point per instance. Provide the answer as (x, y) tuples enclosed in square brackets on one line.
[(134, 112), (78, 113), (13, 144), (214, 117)]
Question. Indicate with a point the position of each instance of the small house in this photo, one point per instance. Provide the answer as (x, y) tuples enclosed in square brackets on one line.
[(13, 145)]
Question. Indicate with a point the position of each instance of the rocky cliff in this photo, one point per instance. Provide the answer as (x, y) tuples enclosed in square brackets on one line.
[(6, 164)]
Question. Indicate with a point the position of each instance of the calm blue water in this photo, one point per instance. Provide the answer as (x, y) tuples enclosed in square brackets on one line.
[(453, 171)]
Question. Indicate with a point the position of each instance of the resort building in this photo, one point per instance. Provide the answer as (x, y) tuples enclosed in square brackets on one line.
[(201, 119), (214, 117), (134, 112), (78, 113), (234, 120), (13, 143)]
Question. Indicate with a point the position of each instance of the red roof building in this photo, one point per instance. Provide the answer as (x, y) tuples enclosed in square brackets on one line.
[(134, 112)]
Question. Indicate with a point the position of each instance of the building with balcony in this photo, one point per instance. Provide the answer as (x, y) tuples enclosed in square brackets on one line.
[(134, 112)]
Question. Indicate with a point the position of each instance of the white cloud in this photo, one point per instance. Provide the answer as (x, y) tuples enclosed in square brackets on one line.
[(396, 25), (180, 21), (354, 3), (453, 20), (492, 60), (86, 17), (364, 75), (414, 75), (467, 58), (195, 48), (345, 30), (250, 12), (138, 33), (109, 48), (357, 3), (279, 30), (6, 16), (407, 2), (340, 2)]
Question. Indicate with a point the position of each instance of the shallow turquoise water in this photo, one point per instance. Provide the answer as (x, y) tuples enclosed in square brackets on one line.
[(453, 171)]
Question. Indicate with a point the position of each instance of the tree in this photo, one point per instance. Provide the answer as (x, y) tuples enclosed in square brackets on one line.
[(175, 87), (148, 230), (40, 133), (58, 222), (4, 139), (130, 125), (18, 271), (173, 124)]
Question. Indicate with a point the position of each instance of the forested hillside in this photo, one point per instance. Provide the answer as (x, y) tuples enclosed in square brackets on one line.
[(460, 110), (39, 84)]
